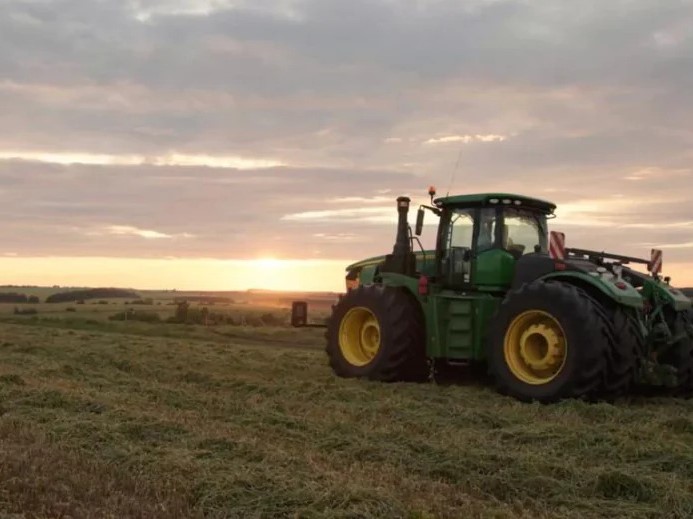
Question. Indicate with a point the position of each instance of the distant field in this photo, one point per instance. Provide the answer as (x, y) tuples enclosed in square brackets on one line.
[(246, 304), (103, 418), (254, 297)]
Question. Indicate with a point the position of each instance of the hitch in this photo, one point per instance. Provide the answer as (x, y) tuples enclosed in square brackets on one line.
[(299, 316)]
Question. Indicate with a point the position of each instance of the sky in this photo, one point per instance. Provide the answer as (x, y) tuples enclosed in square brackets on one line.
[(234, 144)]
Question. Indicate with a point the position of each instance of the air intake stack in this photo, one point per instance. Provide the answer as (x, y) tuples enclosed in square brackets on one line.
[(402, 259)]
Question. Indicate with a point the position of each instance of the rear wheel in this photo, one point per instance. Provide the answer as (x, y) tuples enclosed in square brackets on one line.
[(377, 332), (548, 342), (626, 345)]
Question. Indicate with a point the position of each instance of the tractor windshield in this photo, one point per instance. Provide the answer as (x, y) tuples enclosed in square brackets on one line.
[(524, 230)]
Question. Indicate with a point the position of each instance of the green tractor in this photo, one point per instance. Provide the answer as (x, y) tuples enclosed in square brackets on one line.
[(501, 292)]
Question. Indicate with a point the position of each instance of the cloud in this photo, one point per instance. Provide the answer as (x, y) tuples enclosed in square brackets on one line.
[(171, 159), (193, 211), (264, 128), (356, 214), (659, 225), (657, 174), (125, 230), (686, 245), (466, 139), (144, 11), (342, 236), (360, 200)]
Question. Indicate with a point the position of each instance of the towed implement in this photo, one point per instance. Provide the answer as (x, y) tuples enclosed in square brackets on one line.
[(501, 292)]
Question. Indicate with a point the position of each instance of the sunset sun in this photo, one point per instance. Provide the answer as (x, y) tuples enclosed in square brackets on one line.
[(269, 263)]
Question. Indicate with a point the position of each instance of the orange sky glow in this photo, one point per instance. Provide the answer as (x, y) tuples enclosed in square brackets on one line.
[(181, 274), (203, 274)]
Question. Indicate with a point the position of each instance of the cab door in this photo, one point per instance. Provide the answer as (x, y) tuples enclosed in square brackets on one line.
[(456, 244), (454, 303), (472, 252)]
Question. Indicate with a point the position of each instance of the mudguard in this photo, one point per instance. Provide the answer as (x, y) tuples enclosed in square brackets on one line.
[(617, 289)]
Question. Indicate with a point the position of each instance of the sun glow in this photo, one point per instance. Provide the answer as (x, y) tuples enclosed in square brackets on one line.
[(269, 263), (201, 274), (264, 273)]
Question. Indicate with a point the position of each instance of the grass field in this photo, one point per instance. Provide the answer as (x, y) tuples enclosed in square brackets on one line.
[(129, 419)]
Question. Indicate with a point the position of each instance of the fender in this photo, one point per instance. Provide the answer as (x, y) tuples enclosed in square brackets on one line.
[(627, 296), (400, 280)]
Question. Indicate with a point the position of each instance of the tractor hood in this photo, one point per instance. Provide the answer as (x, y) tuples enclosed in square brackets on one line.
[(364, 271), (368, 262), (423, 259)]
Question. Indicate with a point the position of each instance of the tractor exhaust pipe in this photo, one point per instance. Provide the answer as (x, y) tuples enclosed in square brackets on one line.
[(402, 243), (402, 260)]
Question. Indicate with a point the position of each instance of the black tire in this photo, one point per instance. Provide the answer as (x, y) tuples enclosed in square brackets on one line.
[(583, 323), (401, 355), (680, 355), (626, 346)]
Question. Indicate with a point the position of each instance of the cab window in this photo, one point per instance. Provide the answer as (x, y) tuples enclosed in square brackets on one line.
[(523, 231), (457, 243), (461, 230), (488, 224)]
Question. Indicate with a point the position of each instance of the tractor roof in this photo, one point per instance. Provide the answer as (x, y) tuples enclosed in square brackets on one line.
[(491, 199)]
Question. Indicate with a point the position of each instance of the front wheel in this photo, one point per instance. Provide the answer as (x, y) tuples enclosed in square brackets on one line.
[(378, 332), (548, 342)]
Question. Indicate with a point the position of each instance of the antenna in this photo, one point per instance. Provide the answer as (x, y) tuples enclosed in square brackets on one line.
[(454, 171)]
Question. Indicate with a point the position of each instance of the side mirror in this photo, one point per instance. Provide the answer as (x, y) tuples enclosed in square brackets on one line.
[(419, 222)]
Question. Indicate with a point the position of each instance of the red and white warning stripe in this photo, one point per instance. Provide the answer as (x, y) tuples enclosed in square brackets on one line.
[(557, 245), (655, 266)]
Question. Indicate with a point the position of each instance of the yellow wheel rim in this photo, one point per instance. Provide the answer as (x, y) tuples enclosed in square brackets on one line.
[(535, 347), (359, 336)]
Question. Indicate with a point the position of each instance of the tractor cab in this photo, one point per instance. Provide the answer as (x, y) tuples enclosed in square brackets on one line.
[(482, 236)]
